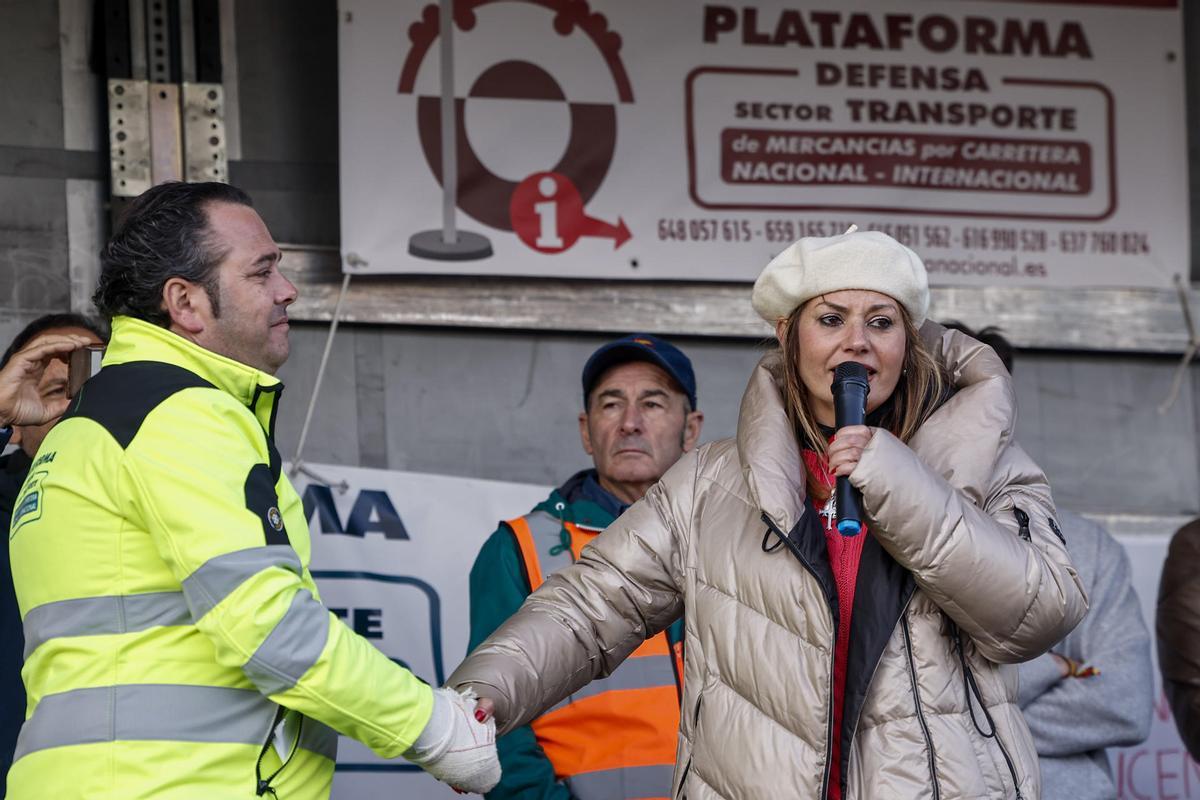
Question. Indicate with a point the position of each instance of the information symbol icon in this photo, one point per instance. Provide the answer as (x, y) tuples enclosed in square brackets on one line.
[(546, 212)]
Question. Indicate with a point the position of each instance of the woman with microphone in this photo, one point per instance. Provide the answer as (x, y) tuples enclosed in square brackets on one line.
[(822, 664)]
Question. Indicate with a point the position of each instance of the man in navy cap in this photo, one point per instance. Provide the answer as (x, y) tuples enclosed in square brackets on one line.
[(616, 737)]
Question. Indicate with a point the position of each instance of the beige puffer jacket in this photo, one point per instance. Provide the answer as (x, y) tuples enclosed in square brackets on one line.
[(947, 561)]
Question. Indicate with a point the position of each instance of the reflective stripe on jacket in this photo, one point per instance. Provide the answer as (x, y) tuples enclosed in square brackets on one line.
[(615, 737), (176, 645)]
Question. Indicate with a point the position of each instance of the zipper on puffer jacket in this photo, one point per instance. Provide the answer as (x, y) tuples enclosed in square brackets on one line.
[(972, 688), (688, 767), (683, 780), (773, 528), (1022, 523), (912, 676), (871, 680)]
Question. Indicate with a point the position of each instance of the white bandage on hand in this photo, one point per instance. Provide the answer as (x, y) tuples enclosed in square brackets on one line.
[(455, 748)]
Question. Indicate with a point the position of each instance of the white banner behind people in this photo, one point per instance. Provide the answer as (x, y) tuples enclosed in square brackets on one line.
[(1014, 143), (391, 556)]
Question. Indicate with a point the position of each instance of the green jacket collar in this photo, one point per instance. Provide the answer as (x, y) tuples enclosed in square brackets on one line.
[(584, 513), (137, 340)]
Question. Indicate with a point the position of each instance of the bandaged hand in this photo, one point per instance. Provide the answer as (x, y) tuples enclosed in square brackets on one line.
[(455, 748)]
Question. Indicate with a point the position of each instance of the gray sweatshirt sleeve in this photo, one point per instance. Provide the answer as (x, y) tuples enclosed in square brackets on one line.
[(1038, 676), (1112, 709)]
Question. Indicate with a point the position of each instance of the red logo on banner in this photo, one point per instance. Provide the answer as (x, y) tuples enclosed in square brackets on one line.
[(546, 212), (551, 221)]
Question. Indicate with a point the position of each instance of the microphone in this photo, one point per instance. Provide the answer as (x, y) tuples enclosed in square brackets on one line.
[(850, 390)]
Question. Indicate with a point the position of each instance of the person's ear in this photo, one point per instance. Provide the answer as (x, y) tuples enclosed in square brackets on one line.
[(780, 331), (691, 430), (187, 305), (585, 436)]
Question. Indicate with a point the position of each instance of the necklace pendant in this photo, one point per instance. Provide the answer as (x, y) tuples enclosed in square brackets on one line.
[(829, 512)]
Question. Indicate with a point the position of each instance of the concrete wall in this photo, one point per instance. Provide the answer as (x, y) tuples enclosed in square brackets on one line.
[(33, 236), (504, 406), (480, 403)]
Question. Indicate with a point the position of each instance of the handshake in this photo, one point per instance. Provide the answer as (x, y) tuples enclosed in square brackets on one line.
[(455, 747)]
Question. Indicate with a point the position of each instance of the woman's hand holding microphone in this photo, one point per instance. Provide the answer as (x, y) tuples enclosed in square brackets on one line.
[(846, 448)]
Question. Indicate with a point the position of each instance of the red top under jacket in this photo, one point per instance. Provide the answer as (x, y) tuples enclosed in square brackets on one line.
[(844, 555)]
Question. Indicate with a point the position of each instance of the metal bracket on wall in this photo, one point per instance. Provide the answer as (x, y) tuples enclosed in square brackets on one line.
[(166, 134), (162, 40), (166, 103), (204, 151), (129, 136)]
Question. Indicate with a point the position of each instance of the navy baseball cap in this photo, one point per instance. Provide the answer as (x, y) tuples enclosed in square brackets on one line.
[(641, 347)]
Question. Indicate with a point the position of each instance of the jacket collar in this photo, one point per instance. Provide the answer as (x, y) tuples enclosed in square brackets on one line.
[(767, 446), (138, 340), (569, 504), (963, 438)]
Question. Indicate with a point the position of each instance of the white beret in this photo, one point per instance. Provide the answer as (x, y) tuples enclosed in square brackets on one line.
[(814, 266)]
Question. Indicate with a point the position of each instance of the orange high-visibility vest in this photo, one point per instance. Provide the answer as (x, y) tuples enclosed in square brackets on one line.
[(616, 737)]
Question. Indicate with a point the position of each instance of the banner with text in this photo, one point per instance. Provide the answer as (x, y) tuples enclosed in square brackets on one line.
[(1007, 142), (392, 552)]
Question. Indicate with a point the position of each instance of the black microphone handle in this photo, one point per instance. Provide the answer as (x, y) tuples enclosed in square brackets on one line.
[(850, 408), (849, 405), (849, 503)]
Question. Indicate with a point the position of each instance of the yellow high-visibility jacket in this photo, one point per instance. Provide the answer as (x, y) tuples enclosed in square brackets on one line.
[(175, 642)]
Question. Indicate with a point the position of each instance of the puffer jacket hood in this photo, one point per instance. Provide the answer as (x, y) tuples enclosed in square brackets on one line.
[(963, 574)]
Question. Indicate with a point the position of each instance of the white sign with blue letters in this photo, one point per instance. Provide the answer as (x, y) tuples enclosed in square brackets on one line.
[(391, 556)]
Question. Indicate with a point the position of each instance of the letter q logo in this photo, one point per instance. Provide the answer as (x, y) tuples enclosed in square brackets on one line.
[(506, 178)]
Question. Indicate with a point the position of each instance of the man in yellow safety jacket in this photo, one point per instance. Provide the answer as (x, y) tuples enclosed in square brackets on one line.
[(615, 738), (176, 645)]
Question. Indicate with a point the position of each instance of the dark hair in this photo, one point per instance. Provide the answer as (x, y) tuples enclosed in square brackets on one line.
[(162, 235), (990, 336), (49, 322)]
